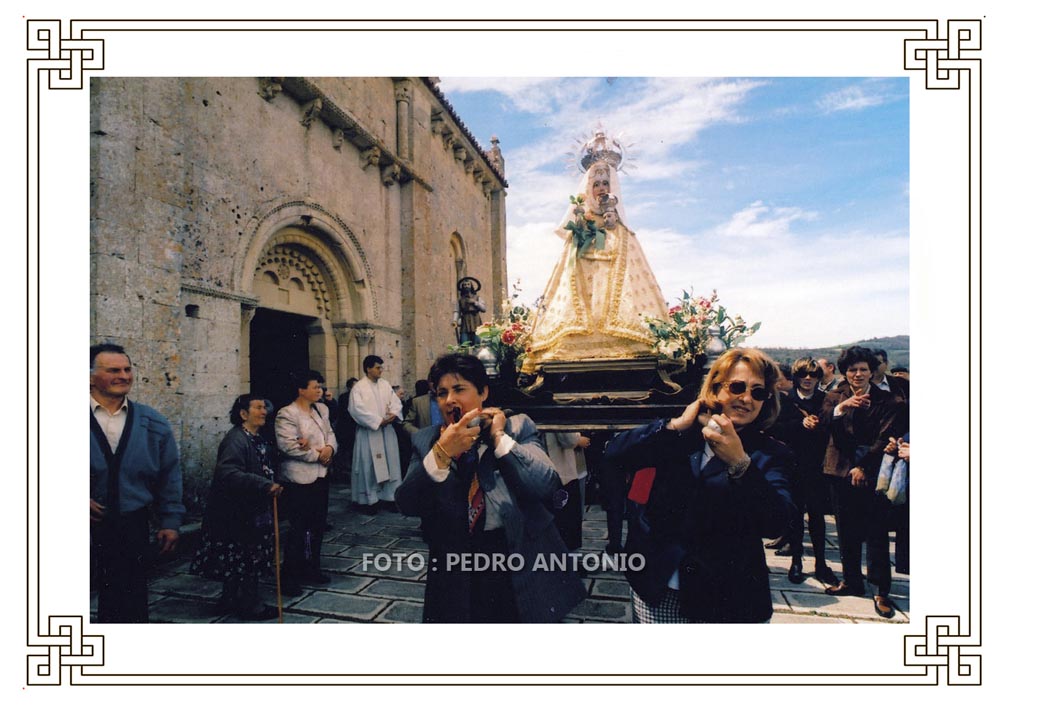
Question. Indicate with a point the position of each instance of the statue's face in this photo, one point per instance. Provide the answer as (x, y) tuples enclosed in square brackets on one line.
[(600, 187)]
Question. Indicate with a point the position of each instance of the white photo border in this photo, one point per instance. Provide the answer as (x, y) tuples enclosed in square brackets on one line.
[(61, 55)]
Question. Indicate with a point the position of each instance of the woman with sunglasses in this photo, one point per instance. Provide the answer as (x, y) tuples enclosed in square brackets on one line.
[(800, 427), (721, 486)]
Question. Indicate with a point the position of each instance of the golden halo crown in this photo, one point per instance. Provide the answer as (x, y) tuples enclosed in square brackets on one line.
[(600, 148)]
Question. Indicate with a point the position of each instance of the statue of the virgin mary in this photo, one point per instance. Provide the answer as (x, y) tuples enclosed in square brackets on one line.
[(602, 289)]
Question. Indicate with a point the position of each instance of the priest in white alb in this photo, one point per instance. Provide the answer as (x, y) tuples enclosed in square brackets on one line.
[(375, 468)]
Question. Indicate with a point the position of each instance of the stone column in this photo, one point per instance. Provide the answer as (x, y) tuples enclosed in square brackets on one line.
[(344, 334), (247, 313), (365, 336), (403, 96)]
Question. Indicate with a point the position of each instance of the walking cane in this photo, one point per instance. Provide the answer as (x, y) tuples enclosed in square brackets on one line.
[(277, 561)]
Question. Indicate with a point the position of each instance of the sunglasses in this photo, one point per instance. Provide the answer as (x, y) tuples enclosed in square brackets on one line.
[(815, 374), (756, 393)]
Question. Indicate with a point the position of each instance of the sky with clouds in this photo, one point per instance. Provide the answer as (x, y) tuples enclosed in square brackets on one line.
[(788, 196)]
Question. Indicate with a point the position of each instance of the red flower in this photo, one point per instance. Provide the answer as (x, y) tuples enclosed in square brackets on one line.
[(508, 337)]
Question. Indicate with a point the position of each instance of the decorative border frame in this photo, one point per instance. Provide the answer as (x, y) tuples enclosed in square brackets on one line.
[(60, 54)]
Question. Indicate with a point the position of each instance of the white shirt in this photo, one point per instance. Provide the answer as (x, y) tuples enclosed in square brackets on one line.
[(112, 424)]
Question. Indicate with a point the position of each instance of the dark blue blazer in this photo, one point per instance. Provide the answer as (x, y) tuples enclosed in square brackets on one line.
[(542, 596), (704, 523)]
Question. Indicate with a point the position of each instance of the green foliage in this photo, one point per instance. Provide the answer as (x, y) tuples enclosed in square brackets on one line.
[(692, 323)]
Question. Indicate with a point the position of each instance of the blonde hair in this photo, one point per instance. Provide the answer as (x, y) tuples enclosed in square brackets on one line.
[(761, 364)]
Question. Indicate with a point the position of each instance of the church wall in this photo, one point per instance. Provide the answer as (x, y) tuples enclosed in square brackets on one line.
[(190, 177)]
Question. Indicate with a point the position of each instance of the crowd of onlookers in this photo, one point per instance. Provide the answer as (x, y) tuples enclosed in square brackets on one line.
[(763, 447)]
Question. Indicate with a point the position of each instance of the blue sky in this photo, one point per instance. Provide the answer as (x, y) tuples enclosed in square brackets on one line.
[(788, 196)]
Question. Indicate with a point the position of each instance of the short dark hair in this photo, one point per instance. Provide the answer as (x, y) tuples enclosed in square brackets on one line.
[(300, 378), (852, 355), (243, 403), (371, 361), (421, 387), (102, 347), (351, 382), (881, 354), (898, 368), (464, 365)]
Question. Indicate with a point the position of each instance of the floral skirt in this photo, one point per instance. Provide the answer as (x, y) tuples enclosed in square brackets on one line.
[(229, 560)]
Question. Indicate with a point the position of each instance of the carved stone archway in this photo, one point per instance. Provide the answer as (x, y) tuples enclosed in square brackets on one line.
[(300, 259)]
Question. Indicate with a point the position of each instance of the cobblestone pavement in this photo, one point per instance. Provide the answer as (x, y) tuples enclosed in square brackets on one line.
[(369, 593)]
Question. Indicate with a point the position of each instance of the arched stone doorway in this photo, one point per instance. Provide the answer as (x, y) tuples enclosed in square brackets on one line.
[(313, 307)]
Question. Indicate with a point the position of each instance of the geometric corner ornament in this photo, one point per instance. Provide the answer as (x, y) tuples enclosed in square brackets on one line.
[(64, 57), (944, 647), (944, 59), (67, 647)]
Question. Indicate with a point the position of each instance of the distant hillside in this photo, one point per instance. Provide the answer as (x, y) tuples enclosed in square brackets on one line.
[(897, 347)]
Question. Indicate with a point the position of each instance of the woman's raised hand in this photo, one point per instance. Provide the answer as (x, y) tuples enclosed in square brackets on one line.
[(686, 419), (725, 443)]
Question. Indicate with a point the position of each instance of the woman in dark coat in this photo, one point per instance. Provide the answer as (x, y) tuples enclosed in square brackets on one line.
[(862, 418), (800, 427), (238, 525), (720, 486)]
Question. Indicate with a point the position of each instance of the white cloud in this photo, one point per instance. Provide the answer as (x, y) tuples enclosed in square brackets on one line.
[(856, 97), (760, 221)]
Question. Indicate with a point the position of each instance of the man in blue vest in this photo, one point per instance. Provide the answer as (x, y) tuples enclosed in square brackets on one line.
[(133, 465)]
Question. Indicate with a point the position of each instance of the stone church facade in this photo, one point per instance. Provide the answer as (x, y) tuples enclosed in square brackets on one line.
[(245, 227)]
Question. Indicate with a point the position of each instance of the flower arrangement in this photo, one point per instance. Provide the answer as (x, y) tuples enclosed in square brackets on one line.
[(693, 323), (505, 336), (585, 234)]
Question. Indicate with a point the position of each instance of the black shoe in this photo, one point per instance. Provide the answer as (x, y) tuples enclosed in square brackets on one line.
[(775, 543), (843, 589), (316, 577), (826, 574), (903, 569), (796, 573), (785, 550), (290, 588), (884, 606), (263, 613)]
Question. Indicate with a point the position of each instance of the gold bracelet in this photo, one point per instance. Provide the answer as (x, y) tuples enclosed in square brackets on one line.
[(442, 450)]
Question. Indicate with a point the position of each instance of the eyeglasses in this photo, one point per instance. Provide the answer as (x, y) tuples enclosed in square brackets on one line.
[(757, 393), (815, 374)]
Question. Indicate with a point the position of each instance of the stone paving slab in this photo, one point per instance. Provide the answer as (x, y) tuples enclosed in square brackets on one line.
[(347, 583), (409, 545), (856, 607), (299, 618), (608, 588), (182, 610), (340, 605), (602, 611), (402, 612), (333, 548), (188, 585), (399, 590), (784, 618)]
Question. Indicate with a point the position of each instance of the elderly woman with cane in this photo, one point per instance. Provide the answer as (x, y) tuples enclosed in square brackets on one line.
[(238, 532)]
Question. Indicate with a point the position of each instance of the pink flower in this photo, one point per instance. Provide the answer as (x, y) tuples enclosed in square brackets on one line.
[(508, 337)]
